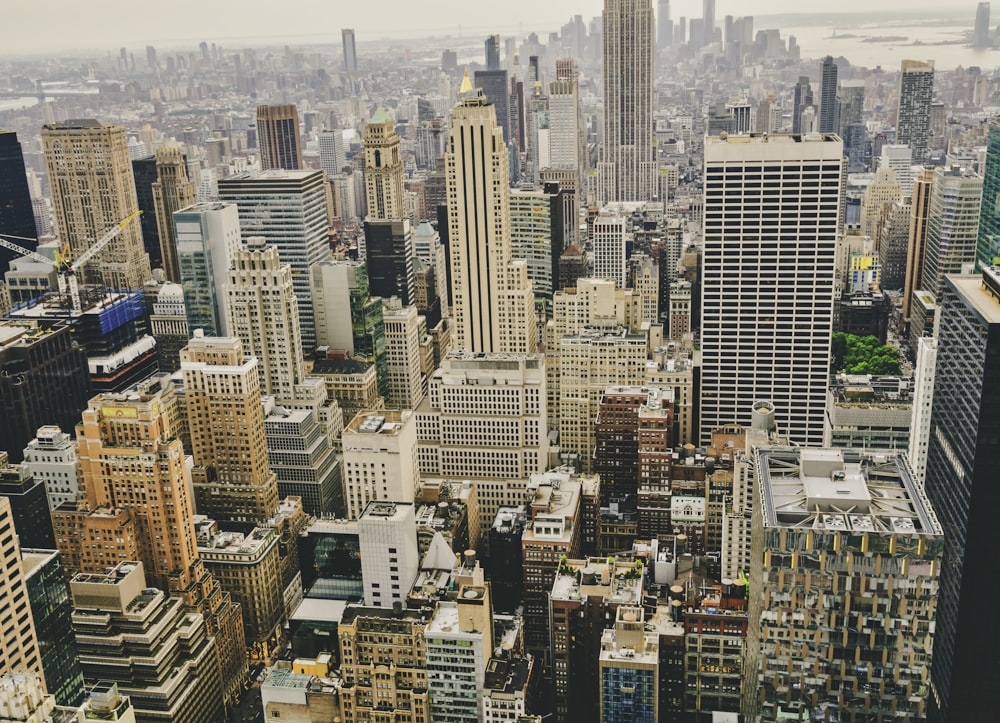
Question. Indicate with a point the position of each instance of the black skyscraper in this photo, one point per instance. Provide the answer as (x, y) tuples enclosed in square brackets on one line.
[(492, 46), (963, 456), (16, 217), (829, 108), (802, 100), (389, 258), (28, 505), (144, 170), (494, 85)]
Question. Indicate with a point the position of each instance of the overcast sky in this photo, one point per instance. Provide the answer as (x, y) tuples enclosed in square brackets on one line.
[(36, 26)]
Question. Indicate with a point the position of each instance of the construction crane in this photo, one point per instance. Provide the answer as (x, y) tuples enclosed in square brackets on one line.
[(66, 267)]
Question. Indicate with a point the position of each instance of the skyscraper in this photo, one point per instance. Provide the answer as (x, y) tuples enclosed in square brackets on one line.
[(664, 26), (609, 238), (767, 299), (913, 117), (802, 99), (493, 304), (492, 46), (387, 534), (16, 214), (288, 208), (92, 190), (233, 481), (627, 170), (988, 244), (981, 32), (708, 20), (331, 151), (497, 92), (19, 652), (171, 192), (829, 108), (952, 225), (383, 169), (350, 52), (962, 459), (916, 243), (278, 137)]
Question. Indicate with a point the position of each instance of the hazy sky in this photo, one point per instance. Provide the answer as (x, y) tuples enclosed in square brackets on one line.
[(34, 26)]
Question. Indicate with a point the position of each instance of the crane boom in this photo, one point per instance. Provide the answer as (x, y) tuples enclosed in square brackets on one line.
[(96, 247), (33, 255)]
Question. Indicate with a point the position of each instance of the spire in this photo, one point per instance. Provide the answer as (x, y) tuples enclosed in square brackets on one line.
[(466, 83)]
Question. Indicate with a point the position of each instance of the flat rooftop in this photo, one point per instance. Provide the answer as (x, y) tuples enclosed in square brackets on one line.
[(841, 490)]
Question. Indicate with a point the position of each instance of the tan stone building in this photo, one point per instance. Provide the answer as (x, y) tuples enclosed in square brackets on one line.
[(19, 651)]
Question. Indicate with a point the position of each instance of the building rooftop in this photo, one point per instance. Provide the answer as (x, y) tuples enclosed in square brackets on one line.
[(341, 366), (841, 490), (387, 422), (33, 560), (617, 581), (506, 675), (983, 293)]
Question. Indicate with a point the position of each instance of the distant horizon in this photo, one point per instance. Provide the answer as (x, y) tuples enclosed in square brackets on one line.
[(374, 32)]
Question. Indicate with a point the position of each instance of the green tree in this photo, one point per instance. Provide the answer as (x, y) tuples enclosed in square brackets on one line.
[(863, 355)]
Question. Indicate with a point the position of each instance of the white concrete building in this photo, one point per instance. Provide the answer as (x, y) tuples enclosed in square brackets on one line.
[(380, 460), (608, 239), (387, 535), (923, 395), (51, 459)]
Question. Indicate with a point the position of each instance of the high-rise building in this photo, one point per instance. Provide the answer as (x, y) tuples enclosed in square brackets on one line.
[(664, 26), (86, 161), (952, 226), (565, 136), (208, 240), (493, 305), (350, 51), (331, 151), (171, 193), (47, 380), (51, 457), (609, 247), (537, 234), (852, 129), (288, 208), (115, 609), (19, 650), (916, 246), (630, 662), (708, 21), (278, 137), (492, 49), (829, 108), (497, 91), (627, 168), (802, 99), (981, 31), (383, 169), (389, 259), (380, 459), (900, 159), (817, 514), (767, 297), (913, 117), (988, 245), (405, 331), (387, 534), (28, 503), (962, 458), (923, 395), (48, 593), (17, 216), (233, 481)]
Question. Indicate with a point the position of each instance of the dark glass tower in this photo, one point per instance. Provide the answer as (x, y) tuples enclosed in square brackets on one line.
[(28, 504), (988, 246), (48, 595), (144, 170), (389, 258), (829, 108), (963, 456), (494, 85), (16, 217)]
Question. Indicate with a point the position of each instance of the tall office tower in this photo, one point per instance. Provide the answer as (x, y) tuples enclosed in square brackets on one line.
[(233, 481), (565, 136), (852, 128), (261, 309), (537, 233), (208, 240), (494, 86), (459, 641), (114, 608), (380, 459), (288, 208), (630, 663), (389, 259), (92, 190), (383, 169), (387, 534), (404, 333), (644, 277), (172, 192), (917, 241), (19, 651), (664, 26), (609, 247), (988, 245), (331, 151), (923, 395), (492, 46), (962, 459), (484, 419), (627, 170), (802, 99), (167, 322), (981, 31), (913, 117), (428, 248), (493, 304), (893, 238), (47, 381), (766, 328), (842, 507), (554, 531), (708, 21), (51, 457), (882, 191), (28, 503), (366, 634), (340, 285), (48, 594), (350, 52), (829, 109), (278, 137), (17, 217), (952, 226)]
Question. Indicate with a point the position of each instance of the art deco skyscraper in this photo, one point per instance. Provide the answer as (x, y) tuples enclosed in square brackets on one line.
[(913, 118), (278, 137), (171, 193), (627, 170), (767, 297), (493, 304), (383, 169), (92, 190), (19, 652)]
